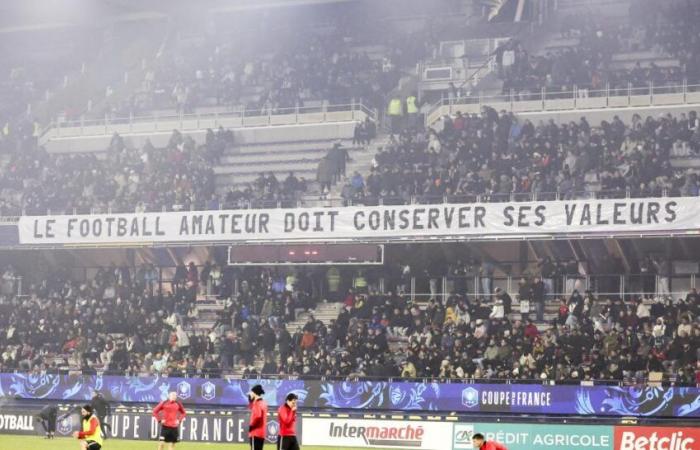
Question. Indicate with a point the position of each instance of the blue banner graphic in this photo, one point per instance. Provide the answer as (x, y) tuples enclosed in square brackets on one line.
[(377, 395)]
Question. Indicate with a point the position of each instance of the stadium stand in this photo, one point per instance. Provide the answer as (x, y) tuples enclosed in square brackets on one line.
[(211, 124), (648, 157), (265, 328), (122, 178), (592, 55), (499, 156)]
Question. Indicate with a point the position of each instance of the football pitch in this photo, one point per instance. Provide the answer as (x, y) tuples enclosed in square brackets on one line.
[(8, 442)]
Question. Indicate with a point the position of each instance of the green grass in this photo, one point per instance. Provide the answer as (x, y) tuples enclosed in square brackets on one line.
[(10, 442)]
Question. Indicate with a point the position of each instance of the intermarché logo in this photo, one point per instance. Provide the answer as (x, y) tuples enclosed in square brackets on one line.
[(399, 436)]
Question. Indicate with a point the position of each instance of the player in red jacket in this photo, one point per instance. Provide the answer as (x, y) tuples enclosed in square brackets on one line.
[(169, 413), (257, 430), (482, 444), (287, 416)]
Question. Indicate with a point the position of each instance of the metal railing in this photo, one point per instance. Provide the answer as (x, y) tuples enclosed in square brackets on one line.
[(505, 197), (579, 97), (156, 122), (227, 374), (622, 286)]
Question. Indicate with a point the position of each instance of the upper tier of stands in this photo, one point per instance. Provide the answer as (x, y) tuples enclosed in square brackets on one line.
[(500, 156), (488, 157), (289, 124), (170, 171), (585, 57)]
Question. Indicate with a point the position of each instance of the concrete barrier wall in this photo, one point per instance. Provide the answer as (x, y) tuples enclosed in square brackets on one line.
[(248, 135), (255, 129), (562, 111), (566, 109)]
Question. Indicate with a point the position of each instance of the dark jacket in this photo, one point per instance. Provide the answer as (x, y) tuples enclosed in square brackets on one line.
[(101, 406)]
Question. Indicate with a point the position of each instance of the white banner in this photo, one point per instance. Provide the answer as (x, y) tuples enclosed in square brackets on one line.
[(361, 433), (372, 223)]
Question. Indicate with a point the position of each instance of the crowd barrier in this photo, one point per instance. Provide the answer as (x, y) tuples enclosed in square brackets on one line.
[(374, 395), (565, 105)]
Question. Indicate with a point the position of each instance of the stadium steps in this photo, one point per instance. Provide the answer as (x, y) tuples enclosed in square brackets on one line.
[(224, 182), (255, 158), (325, 312), (361, 162), (685, 162), (207, 309), (277, 167), (242, 164), (287, 147), (314, 154)]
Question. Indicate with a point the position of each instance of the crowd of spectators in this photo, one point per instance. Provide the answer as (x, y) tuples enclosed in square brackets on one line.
[(462, 338), (36, 70), (492, 155), (498, 156), (296, 68), (128, 320), (124, 178), (123, 319), (266, 191), (131, 320), (114, 321), (667, 30)]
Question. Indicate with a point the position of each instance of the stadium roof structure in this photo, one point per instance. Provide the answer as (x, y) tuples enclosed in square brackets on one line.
[(30, 15)]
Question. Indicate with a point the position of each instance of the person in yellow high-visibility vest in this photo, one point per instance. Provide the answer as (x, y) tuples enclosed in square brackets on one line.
[(91, 434), (360, 282), (395, 111), (412, 110)]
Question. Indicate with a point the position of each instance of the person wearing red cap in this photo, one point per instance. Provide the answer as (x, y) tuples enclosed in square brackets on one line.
[(257, 429), (481, 443), (287, 416)]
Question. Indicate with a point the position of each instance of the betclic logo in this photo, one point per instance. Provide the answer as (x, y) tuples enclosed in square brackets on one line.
[(657, 438)]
